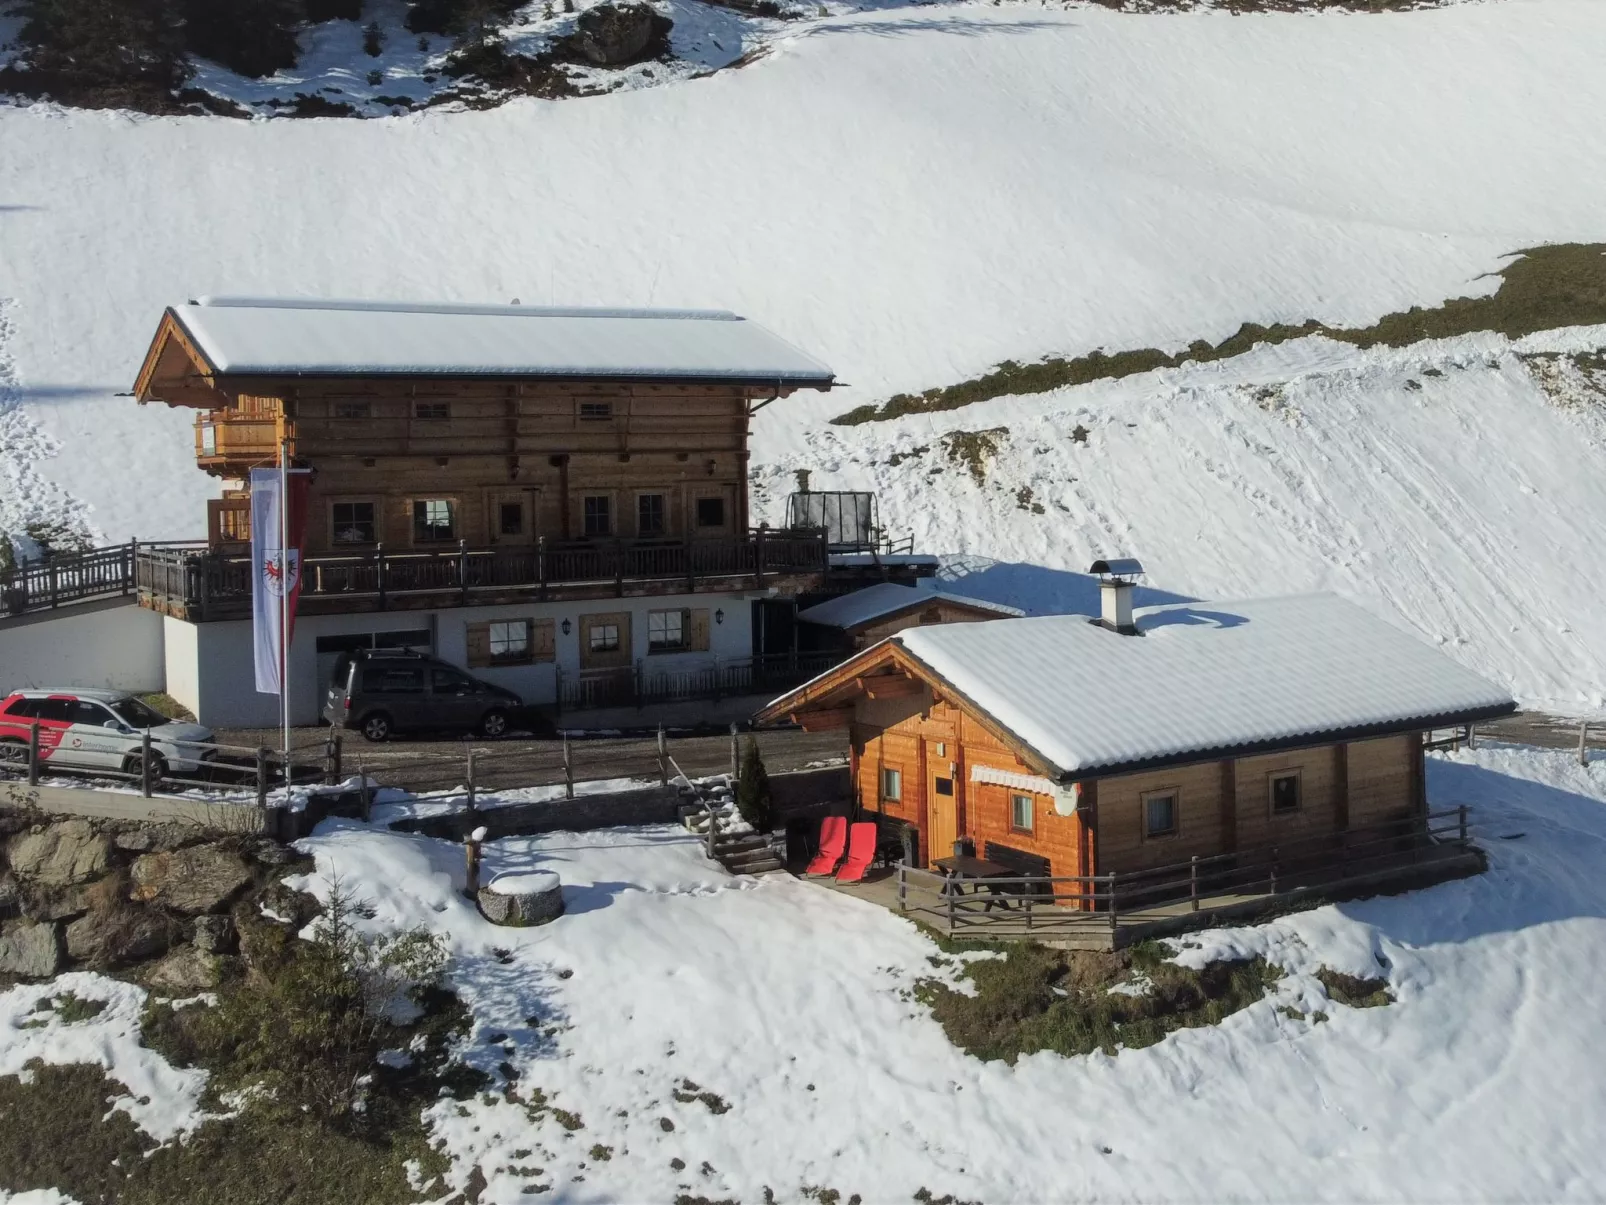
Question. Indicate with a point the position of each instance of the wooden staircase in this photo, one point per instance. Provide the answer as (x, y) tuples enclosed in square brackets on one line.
[(710, 801)]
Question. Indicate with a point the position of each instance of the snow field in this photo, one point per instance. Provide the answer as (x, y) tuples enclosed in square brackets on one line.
[(1445, 486), (788, 1001)]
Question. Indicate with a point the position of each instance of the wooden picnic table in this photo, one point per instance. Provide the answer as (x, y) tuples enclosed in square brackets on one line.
[(963, 868)]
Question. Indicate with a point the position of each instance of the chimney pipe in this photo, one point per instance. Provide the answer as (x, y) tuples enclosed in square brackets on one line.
[(1117, 582)]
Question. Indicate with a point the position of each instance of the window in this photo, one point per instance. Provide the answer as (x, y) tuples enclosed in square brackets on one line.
[(1160, 814), (650, 514), (394, 680), (434, 519), (891, 784), (1020, 813), (432, 410), (510, 519), (594, 411), (21, 707), (666, 631), (137, 714), (54, 711), (944, 786), (598, 509), (710, 512), (354, 410), (1284, 793), (353, 523), (91, 715), (604, 638), (208, 440), (449, 682), (510, 640)]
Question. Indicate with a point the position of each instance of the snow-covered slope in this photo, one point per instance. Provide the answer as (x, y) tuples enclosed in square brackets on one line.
[(790, 1002), (911, 196)]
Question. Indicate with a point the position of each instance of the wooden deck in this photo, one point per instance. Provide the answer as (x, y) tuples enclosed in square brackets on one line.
[(1083, 917)]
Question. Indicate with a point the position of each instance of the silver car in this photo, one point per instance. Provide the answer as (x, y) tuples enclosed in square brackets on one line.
[(99, 730)]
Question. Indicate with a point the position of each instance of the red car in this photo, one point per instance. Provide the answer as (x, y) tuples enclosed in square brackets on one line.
[(98, 730)]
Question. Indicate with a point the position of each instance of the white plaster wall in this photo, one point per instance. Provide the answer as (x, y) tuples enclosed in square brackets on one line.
[(211, 662), (118, 647)]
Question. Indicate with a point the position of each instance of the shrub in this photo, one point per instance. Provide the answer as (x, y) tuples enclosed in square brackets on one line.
[(373, 40), (304, 1032), (753, 789), (99, 53), (252, 37)]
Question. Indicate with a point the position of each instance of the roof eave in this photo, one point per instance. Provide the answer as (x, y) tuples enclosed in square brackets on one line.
[(754, 381), (1333, 736)]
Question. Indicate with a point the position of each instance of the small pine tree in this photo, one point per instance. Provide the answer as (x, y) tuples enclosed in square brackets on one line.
[(99, 52), (253, 37), (373, 40), (753, 789)]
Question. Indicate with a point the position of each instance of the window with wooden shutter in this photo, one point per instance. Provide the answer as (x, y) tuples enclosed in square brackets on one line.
[(479, 644), (695, 627)]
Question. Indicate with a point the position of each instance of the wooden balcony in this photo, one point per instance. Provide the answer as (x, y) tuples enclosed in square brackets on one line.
[(193, 582), (230, 445)]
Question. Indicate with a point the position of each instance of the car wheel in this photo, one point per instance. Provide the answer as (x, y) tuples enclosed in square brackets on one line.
[(13, 752), (158, 766), (376, 726), (493, 723)]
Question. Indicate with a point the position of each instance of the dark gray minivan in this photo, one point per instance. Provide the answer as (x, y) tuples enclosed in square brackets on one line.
[(381, 691)]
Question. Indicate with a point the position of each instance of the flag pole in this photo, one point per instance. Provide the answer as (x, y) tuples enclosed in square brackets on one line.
[(284, 608)]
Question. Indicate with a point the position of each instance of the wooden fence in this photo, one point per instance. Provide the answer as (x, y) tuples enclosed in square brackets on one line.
[(1111, 909), (68, 578)]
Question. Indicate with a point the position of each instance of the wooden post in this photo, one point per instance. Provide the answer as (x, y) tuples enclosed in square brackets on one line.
[(462, 571), (540, 569), (1583, 747), (1461, 822), (379, 572), (736, 760), (713, 828), (1273, 890), (33, 754), (1193, 881), (331, 758), (471, 852), (568, 767), (1109, 881), (145, 763), (1472, 736), (262, 776), (758, 560), (364, 802), (663, 757), (903, 888), (471, 782), (618, 569)]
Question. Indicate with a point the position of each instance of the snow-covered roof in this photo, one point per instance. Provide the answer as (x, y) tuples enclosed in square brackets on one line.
[(267, 337), (888, 598), (1200, 677)]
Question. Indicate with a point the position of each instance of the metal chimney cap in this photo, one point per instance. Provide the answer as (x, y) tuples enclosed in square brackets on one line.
[(1117, 567)]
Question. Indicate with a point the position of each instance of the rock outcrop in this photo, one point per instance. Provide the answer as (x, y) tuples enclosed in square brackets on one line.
[(618, 32), (118, 938), (194, 881), (184, 972), (59, 854), (30, 949)]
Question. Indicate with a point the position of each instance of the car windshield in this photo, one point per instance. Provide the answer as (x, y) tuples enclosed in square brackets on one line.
[(138, 715)]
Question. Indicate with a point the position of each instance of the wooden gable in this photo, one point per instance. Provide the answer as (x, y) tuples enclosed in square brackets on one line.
[(175, 370)]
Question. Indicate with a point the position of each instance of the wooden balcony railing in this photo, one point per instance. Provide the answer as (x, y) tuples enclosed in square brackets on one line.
[(225, 438), (198, 583)]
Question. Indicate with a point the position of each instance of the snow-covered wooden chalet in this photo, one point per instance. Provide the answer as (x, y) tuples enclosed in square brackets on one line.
[(1071, 746)]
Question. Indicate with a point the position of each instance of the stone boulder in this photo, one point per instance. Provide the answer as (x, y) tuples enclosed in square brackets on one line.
[(194, 881), (113, 939), (532, 898), (184, 972), (157, 838), (214, 934), (59, 854), (618, 32), (30, 949)]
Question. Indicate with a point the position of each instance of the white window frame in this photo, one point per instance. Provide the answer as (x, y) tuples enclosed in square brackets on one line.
[(334, 526), (891, 776), (514, 638), (660, 625), (1016, 798)]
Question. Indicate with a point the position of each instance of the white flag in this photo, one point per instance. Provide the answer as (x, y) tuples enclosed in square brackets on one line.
[(275, 571)]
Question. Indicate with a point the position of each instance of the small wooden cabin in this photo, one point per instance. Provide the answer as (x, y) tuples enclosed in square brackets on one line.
[(855, 621), (1080, 748)]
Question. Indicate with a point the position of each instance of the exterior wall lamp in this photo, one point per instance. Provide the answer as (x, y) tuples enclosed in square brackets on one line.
[(719, 615), (566, 627)]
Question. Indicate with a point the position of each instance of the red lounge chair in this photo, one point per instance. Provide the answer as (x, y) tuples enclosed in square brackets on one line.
[(833, 838), (861, 848)]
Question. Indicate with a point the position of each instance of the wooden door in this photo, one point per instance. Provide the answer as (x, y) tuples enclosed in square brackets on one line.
[(942, 809)]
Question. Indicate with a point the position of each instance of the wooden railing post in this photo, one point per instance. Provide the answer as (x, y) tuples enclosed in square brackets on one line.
[(540, 569), (758, 560), (568, 767), (663, 757), (145, 763), (470, 772), (1193, 881), (379, 572), (262, 776), (903, 887), (1461, 822), (618, 569), (1109, 881), (1583, 739), (462, 571), (33, 754), (736, 760), (1273, 885), (691, 568), (331, 754), (364, 802)]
